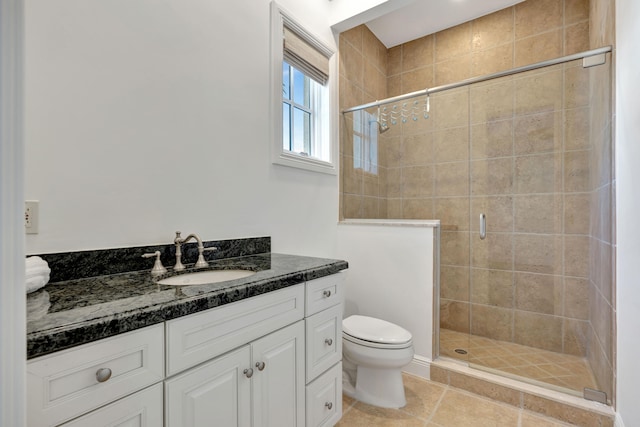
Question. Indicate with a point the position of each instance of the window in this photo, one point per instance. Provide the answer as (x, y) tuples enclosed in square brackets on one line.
[(365, 142), (301, 121)]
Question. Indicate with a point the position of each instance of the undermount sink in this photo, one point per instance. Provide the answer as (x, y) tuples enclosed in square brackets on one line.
[(205, 277)]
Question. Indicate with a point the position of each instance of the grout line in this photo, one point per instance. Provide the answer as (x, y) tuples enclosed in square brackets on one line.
[(437, 405)]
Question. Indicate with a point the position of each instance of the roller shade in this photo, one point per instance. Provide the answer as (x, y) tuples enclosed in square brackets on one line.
[(303, 56)]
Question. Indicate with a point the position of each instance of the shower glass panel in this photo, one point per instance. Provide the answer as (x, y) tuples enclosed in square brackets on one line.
[(527, 159), (529, 175)]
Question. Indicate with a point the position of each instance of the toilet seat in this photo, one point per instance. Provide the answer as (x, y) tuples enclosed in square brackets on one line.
[(371, 344), (376, 333)]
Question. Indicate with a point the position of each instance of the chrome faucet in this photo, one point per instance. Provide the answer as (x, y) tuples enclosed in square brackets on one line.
[(179, 241)]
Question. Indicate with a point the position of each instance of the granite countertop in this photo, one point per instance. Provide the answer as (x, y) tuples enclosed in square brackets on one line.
[(72, 312)]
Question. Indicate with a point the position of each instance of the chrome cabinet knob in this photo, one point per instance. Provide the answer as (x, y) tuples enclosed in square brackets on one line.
[(328, 341), (326, 293), (260, 366), (103, 374), (248, 372), (328, 405)]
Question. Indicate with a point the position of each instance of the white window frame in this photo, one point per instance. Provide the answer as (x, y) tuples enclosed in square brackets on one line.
[(324, 136)]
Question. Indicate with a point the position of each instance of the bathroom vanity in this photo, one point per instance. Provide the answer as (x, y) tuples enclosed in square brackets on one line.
[(264, 350)]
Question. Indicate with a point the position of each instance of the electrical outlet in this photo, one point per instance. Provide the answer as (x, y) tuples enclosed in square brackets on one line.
[(31, 216)]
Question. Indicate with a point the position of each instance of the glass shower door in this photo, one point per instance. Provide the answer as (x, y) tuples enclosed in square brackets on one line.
[(530, 154)]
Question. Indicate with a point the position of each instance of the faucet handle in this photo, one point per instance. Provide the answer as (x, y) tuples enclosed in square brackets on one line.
[(202, 263), (158, 268)]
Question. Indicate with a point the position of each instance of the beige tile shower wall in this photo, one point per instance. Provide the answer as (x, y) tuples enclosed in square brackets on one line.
[(601, 351), (363, 64), (531, 31), (518, 148)]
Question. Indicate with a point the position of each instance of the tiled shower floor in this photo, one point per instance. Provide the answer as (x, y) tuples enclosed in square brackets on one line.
[(568, 372)]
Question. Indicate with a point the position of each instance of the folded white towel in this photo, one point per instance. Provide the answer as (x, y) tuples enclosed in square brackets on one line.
[(37, 273), (35, 283), (37, 305), (34, 261)]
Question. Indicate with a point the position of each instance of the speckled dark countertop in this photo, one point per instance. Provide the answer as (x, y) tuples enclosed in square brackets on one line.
[(68, 313)]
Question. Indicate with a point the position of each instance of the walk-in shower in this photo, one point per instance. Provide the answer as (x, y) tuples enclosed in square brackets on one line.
[(517, 167)]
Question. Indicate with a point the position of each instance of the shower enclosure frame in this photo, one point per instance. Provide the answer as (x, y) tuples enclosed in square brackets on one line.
[(589, 58)]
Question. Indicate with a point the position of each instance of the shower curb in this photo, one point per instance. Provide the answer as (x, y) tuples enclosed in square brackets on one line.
[(557, 405)]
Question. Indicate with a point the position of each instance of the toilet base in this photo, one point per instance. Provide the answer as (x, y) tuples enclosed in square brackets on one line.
[(377, 387)]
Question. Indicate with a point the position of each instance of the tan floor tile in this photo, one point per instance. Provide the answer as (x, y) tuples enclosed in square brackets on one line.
[(554, 369), (422, 396), (347, 402), (458, 410), (476, 341), (482, 352), (536, 359), (555, 381), (532, 372), (446, 406), (362, 415), (530, 420), (515, 360), (501, 350), (490, 362)]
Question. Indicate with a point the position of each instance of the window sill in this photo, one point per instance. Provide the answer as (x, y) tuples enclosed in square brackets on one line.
[(303, 162)]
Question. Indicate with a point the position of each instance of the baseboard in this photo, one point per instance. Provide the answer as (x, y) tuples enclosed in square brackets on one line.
[(618, 421), (419, 366)]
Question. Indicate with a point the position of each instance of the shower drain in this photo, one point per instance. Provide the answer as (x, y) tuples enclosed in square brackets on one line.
[(460, 351)]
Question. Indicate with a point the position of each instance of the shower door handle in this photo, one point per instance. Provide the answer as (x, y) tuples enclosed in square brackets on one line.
[(483, 226)]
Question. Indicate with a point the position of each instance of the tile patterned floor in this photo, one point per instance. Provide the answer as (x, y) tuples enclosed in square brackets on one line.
[(563, 371), (431, 404)]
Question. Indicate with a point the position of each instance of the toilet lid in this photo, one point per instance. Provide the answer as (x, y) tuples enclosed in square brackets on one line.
[(375, 330)]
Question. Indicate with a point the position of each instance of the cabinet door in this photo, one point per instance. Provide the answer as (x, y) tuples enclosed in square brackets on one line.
[(217, 393), (141, 409), (278, 380), (324, 341)]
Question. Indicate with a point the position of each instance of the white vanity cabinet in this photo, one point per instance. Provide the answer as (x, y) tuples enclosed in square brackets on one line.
[(273, 360)]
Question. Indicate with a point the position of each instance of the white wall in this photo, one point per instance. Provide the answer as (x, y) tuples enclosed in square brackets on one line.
[(391, 275), (627, 208), (12, 295), (146, 117)]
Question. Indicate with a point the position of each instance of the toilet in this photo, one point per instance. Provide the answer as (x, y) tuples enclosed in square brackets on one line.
[(374, 352)]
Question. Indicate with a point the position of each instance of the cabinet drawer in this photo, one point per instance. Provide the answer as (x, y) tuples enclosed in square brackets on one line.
[(64, 385), (141, 409), (199, 337), (323, 293), (324, 341), (324, 399)]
